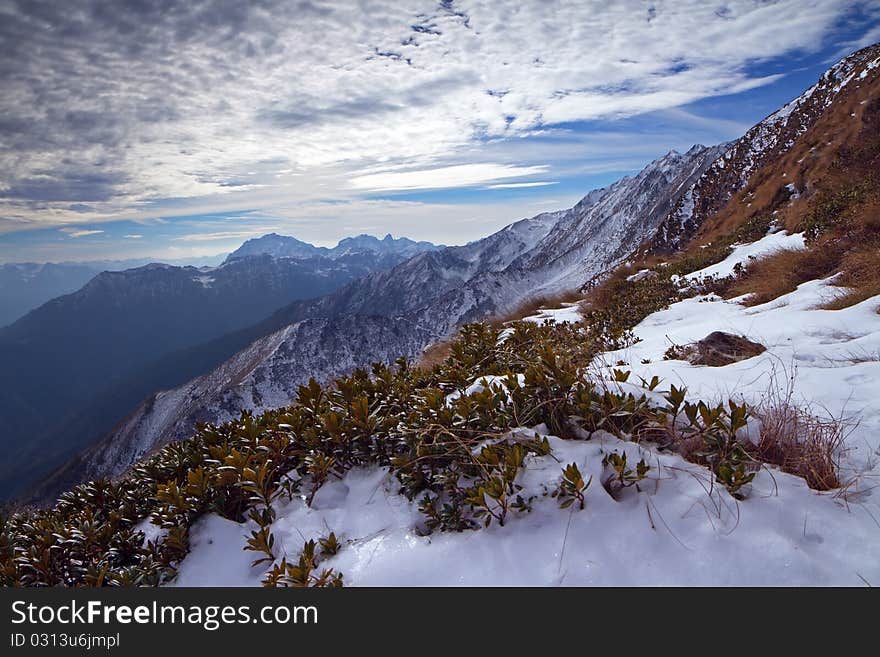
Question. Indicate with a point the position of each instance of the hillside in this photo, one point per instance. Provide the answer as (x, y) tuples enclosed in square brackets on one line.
[(551, 254), (705, 416)]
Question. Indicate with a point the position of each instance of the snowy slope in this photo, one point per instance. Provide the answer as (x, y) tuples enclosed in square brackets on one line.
[(831, 358), (679, 528)]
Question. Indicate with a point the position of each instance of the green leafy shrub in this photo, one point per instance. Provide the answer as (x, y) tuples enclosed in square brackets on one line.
[(572, 487)]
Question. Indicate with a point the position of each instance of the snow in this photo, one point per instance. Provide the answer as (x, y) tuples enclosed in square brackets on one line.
[(676, 530), (678, 527), (568, 312), (484, 383), (151, 532), (743, 252), (213, 559), (870, 67)]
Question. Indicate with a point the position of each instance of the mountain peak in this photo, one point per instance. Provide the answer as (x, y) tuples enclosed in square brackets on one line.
[(284, 246)]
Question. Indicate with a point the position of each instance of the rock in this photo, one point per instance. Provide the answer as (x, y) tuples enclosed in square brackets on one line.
[(718, 349)]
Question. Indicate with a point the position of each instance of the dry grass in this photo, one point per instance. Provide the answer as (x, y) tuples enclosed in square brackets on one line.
[(799, 441), (781, 272), (802, 444), (860, 273), (532, 305), (435, 354)]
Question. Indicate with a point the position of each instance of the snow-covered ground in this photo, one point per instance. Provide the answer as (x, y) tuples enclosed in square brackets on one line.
[(567, 312), (742, 253), (830, 358), (679, 528)]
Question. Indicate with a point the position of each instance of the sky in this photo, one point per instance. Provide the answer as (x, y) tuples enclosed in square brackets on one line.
[(132, 128)]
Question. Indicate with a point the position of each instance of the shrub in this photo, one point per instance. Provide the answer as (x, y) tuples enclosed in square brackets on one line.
[(572, 487)]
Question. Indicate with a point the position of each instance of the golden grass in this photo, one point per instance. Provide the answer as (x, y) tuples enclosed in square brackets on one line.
[(435, 354), (798, 441), (860, 274), (781, 272)]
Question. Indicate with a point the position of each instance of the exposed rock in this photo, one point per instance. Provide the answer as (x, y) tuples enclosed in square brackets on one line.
[(718, 349)]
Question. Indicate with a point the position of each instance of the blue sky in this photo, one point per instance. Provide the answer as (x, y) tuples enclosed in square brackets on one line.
[(440, 121)]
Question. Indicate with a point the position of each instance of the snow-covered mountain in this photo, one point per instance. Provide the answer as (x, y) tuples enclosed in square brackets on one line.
[(770, 140), (431, 294), (412, 305), (283, 246)]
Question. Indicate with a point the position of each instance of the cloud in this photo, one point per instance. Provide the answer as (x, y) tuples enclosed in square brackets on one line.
[(522, 184), (223, 235), (79, 232), (133, 237), (462, 175), (111, 107)]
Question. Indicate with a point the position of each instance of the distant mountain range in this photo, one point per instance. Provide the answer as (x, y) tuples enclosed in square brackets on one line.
[(28, 285), (74, 367), (281, 246)]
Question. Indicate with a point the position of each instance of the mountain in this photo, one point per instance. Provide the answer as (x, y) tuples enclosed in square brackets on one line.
[(28, 285), (771, 140), (660, 209), (76, 353), (414, 304), (281, 246), (716, 395)]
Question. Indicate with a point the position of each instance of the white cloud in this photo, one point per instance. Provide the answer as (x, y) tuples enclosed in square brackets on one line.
[(462, 175), (522, 184), (77, 232), (298, 103), (133, 237), (219, 236)]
